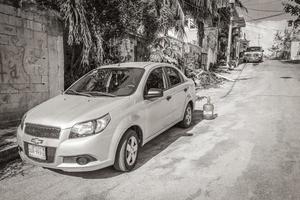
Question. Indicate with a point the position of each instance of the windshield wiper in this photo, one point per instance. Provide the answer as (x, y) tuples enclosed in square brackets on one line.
[(79, 93), (101, 94)]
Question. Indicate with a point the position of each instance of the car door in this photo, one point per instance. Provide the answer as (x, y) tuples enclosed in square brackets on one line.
[(178, 91), (158, 111)]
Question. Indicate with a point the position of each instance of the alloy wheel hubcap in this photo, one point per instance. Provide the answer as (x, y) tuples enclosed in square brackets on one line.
[(188, 116), (131, 150)]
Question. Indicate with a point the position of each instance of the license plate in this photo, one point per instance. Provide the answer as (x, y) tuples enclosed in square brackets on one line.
[(37, 151)]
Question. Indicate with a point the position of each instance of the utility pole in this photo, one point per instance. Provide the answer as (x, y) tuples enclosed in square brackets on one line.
[(238, 47), (231, 4), (258, 39)]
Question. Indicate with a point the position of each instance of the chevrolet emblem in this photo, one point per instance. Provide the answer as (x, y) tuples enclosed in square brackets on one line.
[(37, 141)]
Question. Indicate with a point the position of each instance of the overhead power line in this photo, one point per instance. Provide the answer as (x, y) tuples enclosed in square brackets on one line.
[(259, 10), (261, 27), (267, 17), (248, 16), (256, 3)]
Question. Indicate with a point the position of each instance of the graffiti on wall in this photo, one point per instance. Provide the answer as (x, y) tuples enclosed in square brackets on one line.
[(18, 63), (12, 70), (212, 39)]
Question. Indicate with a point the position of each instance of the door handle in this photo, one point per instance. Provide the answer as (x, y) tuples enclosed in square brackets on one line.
[(185, 89), (169, 97)]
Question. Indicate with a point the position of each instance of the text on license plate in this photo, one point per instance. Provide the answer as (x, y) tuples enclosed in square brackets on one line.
[(37, 151)]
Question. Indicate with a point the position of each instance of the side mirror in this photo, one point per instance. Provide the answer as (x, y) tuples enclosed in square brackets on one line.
[(154, 93)]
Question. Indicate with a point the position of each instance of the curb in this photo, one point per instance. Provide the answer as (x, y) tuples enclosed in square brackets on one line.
[(9, 154), (235, 80)]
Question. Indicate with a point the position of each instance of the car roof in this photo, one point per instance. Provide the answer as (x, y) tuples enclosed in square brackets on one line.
[(142, 65)]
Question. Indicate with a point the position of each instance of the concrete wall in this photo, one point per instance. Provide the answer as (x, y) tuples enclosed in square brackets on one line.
[(31, 60), (295, 50), (127, 48), (210, 45)]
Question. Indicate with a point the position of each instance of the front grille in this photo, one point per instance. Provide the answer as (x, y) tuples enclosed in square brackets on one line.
[(42, 131), (50, 154)]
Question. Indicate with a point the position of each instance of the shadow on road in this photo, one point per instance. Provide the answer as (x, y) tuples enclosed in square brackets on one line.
[(290, 61), (150, 150), (244, 79)]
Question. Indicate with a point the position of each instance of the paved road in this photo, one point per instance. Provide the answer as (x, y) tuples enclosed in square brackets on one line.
[(251, 151)]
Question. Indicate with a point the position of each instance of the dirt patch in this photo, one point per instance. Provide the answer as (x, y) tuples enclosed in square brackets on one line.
[(11, 169), (219, 150)]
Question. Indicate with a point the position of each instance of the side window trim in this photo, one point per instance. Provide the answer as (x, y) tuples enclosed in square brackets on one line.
[(181, 77), (165, 77)]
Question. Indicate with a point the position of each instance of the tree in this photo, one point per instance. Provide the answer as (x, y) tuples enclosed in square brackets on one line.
[(201, 10), (281, 44), (164, 50), (292, 7), (91, 25)]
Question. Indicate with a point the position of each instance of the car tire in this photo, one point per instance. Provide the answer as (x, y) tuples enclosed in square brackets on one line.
[(188, 117), (127, 152)]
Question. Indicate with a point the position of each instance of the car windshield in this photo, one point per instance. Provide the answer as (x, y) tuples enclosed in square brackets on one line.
[(108, 82), (254, 49)]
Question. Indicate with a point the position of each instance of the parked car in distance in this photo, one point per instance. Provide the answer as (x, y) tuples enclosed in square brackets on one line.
[(106, 116), (253, 54)]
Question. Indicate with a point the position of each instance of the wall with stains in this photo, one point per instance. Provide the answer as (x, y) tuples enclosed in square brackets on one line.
[(31, 59)]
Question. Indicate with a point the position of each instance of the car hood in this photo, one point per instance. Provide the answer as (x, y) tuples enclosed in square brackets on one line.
[(66, 110)]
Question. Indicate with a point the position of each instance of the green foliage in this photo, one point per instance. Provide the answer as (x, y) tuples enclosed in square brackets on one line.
[(281, 45), (292, 7), (75, 17), (163, 50)]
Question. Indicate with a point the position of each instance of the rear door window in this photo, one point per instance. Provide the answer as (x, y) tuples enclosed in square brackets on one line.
[(174, 76)]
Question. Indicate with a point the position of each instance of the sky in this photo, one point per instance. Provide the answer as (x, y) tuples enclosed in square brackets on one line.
[(261, 31), (267, 7)]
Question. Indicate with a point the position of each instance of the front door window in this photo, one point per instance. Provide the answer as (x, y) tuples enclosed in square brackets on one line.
[(155, 80)]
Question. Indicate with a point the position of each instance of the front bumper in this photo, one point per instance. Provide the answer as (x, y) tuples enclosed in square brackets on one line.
[(253, 59), (96, 146)]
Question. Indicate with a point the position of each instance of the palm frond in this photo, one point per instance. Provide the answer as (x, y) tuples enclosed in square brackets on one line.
[(74, 15), (240, 4)]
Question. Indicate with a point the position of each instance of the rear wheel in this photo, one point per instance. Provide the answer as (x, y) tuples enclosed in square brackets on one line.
[(127, 152), (188, 117)]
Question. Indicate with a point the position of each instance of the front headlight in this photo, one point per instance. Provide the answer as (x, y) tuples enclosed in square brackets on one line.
[(90, 127)]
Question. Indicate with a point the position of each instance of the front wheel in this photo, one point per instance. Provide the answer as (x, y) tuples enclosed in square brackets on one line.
[(127, 152), (188, 117)]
